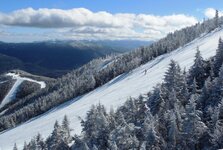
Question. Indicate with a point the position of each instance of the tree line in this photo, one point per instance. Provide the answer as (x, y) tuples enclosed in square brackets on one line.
[(183, 112), (92, 75)]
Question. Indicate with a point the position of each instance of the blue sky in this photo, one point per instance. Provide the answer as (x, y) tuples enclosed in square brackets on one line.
[(149, 10), (157, 7)]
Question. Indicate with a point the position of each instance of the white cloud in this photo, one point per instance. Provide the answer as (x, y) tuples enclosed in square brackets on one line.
[(83, 23), (57, 18), (210, 12)]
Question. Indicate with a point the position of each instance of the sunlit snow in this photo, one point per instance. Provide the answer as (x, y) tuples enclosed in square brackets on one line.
[(113, 93), (12, 93)]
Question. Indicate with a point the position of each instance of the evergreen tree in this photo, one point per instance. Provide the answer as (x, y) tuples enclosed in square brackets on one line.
[(216, 19), (169, 78), (193, 127), (79, 144), (216, 90), (156, 103), (183, 95), (130, 109), (217, 126), (124, 136), (15, 147), (205, 95), (194, 87), (94, 147), (25, 147), (112, 120), (172, 99), (152, 140), (120, 119), (33, 144), (174, 79), (217, 136), (143, 146), (113, 145), (96, 127), (86, 147), (218, 59), (56, 141), (197, 71), (66, 129), (40, 144), (173, 133)]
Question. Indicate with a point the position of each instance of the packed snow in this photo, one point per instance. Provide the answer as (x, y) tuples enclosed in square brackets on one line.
[(2, 82), (114, 93), (17, 77), (12, 92)]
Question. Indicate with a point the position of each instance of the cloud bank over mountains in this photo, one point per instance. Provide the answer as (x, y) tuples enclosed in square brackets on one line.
[(81, 23)]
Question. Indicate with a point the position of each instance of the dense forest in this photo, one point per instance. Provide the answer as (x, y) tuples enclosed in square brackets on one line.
[(97, 73), (56, 58), (183, 112)]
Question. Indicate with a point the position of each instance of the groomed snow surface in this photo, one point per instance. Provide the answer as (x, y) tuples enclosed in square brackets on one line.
[(114, 93), (12, 92)]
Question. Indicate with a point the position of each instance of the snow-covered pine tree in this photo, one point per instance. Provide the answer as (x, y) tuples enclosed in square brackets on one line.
[(217, 136), (79, 143), (103, 130), (156, 103), (96, 127), (217, 130), (113, 146), (193, 127), (216, 19), (205, 95), (66, 130), (151, 137), (32, 144), (40, 144), (173, 132), (197, 71), (94, 147), (218, 59), (175, 80), (183, 93), (85, 147), (55, 141), (25, 146), (15, 147), (169, 78), (216, 89), (143, 146), (129, 110), (124, 137)]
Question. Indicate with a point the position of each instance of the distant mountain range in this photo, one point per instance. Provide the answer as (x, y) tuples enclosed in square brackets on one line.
[(54, 58)]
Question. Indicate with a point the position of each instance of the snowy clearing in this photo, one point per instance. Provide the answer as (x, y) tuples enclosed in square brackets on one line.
[(113, 93), (2, 82), (12, 93)]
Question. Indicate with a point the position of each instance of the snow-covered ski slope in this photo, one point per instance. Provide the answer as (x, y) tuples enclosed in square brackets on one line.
[(113, 93), (12, 92)]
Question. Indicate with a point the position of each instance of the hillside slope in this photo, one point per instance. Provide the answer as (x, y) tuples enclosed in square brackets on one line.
[(12, 93), (55, 58), (113, 93), (9, 63)]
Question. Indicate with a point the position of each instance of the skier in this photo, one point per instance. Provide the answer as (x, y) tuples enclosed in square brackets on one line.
[(145, 71)]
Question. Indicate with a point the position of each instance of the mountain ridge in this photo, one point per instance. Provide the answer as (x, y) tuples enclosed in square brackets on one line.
[(55, 58), (131, 81)]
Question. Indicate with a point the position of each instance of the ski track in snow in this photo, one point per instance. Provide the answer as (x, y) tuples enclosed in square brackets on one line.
[(113, 93), (12, 92), (2, 82)]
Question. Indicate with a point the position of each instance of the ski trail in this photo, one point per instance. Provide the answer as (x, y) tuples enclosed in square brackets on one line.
[(12, 92), (113, 93)]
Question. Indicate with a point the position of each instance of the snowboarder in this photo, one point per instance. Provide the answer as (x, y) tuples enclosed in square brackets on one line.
[(145, 71)]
